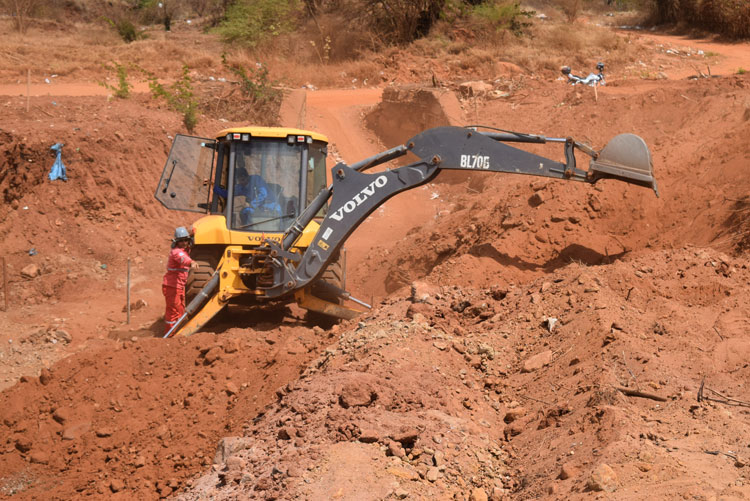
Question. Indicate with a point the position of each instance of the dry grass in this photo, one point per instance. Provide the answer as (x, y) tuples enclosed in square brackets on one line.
[(81, 49), (738, 225)]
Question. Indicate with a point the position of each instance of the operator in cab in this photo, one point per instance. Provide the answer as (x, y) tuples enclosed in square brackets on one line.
[(257, 196)]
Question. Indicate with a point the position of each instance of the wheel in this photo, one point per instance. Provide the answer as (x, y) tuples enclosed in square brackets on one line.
[(207, 257), (334, 274)]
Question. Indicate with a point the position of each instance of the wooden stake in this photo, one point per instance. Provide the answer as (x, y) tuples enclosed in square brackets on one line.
[(28, 88), (128, 291), (5, 284)]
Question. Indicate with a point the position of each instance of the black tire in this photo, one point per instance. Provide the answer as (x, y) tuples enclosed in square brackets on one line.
[(207, 257), (334, 274)]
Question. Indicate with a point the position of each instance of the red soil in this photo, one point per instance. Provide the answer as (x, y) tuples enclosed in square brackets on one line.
[(501, 357)]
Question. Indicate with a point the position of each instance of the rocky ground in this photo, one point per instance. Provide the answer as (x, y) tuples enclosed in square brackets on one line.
[(530, 339)]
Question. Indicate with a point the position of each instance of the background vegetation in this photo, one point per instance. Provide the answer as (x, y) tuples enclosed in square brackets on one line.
[(364, 24)]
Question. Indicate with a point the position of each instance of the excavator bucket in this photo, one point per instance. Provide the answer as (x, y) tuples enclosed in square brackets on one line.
[(626, 157)]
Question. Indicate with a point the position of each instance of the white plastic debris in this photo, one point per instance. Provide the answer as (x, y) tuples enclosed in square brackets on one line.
[(551, 322)]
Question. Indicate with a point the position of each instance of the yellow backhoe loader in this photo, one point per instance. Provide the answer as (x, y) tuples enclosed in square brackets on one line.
[(274, 230)]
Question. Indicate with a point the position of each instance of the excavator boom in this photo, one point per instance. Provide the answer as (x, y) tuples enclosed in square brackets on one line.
[(354, 194)]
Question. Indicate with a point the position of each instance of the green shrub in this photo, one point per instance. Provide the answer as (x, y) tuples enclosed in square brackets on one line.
[(179, 96), (122, 89), (250, 22), (257, 85), (126, 29), (504, 15)]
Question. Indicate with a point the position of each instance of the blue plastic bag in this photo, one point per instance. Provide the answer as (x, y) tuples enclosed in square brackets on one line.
[(58, 168)]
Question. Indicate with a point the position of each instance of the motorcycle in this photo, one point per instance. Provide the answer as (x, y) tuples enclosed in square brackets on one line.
[(593, 79)]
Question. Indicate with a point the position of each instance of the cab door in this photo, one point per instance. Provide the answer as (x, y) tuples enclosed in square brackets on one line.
[(186, 180)]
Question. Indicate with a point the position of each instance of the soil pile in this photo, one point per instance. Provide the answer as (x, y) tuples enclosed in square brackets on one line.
[(585, 380), (139, 417)]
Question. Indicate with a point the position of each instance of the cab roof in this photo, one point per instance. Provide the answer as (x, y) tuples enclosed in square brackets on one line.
[(272, 132)]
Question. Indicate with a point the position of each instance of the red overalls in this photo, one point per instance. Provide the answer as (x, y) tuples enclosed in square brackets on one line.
[(173, 285)]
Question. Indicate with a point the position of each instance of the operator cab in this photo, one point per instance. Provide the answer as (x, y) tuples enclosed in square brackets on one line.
[(259, 178)]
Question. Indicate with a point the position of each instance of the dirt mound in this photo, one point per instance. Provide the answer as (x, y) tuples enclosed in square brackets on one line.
[(137, 418), (21, 168), (520, 392), (522, 227)]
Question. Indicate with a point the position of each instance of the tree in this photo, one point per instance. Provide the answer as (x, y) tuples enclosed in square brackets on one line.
[(20, 10)]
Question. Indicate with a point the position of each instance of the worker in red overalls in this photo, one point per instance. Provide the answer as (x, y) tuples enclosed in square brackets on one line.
[(173, 285)]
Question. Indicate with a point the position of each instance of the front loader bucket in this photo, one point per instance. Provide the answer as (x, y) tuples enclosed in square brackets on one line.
[(626, 157)]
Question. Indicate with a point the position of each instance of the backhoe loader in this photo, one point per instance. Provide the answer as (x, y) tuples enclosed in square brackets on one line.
[(278, 238)]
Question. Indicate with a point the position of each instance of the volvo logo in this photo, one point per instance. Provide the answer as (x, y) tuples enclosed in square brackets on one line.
[(359, 198)]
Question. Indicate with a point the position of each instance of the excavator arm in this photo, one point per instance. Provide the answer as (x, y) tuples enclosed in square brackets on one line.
[(354, 194)]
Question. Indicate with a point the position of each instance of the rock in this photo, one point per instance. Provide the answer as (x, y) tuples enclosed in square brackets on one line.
[(395, 449), (474, 89), (356, 394), (286, 433), (459, 347), (231, 388), (512, 430), (537, 361), (478, 494), (418, 318), (644, 467), (39, 457), (432, 474), (603, 478), (417, 310), (567, 471), (62, 415), (230, 445), (23, 444), (30, 271), (536, 199), (140, 461), (74, 431), (406, 436), (514, 414), (369, 436), (232, 346), (594, 203), (401, 494), (404, 473), (212, 355), (62, 336), (104, 432), (235, 463), (45, 376), (116, 485), (740, 462), (294, 471), (135, 305), (439, 458), (422, 292)]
